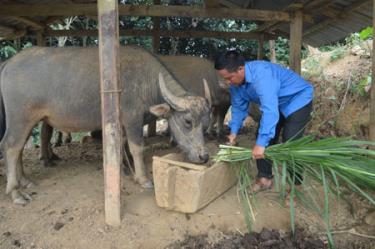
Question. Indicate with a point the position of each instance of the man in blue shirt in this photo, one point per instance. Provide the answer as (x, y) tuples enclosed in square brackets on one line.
[(285, 101)]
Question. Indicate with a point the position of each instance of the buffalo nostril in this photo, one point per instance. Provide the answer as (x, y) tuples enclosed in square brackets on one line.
[(204, 158)]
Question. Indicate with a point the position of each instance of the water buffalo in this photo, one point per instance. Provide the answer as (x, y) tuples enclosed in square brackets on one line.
[(190, 71), (61, 87)]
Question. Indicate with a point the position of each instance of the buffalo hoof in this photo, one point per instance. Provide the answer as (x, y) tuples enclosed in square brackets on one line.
[(26, 183), (148, 185), (48, 163), (54, 157), (20, 198)]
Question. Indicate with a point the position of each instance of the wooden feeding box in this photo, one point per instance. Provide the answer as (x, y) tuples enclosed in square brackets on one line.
[(188, 187)]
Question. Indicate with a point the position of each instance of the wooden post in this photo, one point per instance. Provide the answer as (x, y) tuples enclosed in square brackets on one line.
[(260, 47), (155, 31), (151, 127), (40, 39), (110, 105), (296, 24), (372, 98), (272, 51)]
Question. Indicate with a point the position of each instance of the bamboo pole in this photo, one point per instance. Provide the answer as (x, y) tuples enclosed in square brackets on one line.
[(110, 106)]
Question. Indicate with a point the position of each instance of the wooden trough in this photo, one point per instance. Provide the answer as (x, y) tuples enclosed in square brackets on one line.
[(187, 187)]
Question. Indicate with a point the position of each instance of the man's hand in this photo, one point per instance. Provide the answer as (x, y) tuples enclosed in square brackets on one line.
[(231, 139), (258, 152)]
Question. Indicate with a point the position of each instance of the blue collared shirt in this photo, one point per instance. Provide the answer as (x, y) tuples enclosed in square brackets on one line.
[(275, 89)]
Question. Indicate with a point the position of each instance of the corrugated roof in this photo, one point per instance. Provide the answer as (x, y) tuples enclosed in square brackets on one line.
[(332, 20)]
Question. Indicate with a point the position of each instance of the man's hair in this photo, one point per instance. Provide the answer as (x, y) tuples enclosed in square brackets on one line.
[(230, 60)]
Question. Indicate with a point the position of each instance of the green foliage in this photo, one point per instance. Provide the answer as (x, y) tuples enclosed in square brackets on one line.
[(333, 163), (312, 67), (337, 53), (6, 50), (362, 86), (366, 33)]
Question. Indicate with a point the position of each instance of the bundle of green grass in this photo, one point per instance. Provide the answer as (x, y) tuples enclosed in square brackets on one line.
[(334, 163)]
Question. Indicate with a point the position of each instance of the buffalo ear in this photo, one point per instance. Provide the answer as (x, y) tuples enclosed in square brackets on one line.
[(161, 110)]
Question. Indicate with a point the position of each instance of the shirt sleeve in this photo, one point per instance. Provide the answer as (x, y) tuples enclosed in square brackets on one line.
[(239, 110), (267, 87)]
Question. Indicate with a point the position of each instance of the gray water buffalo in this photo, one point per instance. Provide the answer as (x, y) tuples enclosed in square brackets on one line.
[(189, 71), (61, 87)]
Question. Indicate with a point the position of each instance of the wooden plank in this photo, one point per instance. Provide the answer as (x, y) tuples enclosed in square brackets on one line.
[(29, 22), (110, 105), (212, 4), (296, 42), (7, 29), (181, 164), (290, 8), (345, 12), (16, 34), (143, 10), (372, 98), (166, 33)]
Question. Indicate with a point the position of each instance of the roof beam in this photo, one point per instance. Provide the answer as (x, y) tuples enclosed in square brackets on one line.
[(14, 35), (297, 6), (211, 3), (7, 29), (268, 25), (166, 33), (342, 14), (29, 22), (142, 10), (290, 8)]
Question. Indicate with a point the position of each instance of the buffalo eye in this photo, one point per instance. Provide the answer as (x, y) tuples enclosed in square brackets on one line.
[(188, 123)]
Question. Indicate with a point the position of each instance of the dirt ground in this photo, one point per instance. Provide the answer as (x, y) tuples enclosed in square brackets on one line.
[(67, 210)]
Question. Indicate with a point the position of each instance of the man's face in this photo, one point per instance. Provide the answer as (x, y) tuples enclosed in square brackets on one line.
[(233, 78)]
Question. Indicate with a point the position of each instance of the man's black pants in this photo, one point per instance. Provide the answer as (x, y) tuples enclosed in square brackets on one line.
[(292, 128)]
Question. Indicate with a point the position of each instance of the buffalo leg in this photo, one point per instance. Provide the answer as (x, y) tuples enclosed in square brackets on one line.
[(12, 145), (151, 129), (46, 152), (134, 133)]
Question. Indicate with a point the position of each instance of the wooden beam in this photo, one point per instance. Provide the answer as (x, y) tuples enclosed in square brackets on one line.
[(142, 10), (155, 45), (212, 3), (290, 8), (110, 105), (166, 33), (345, 12), (296, 26), (29, 22), (7, 29), (372, 93), (14, 35)]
